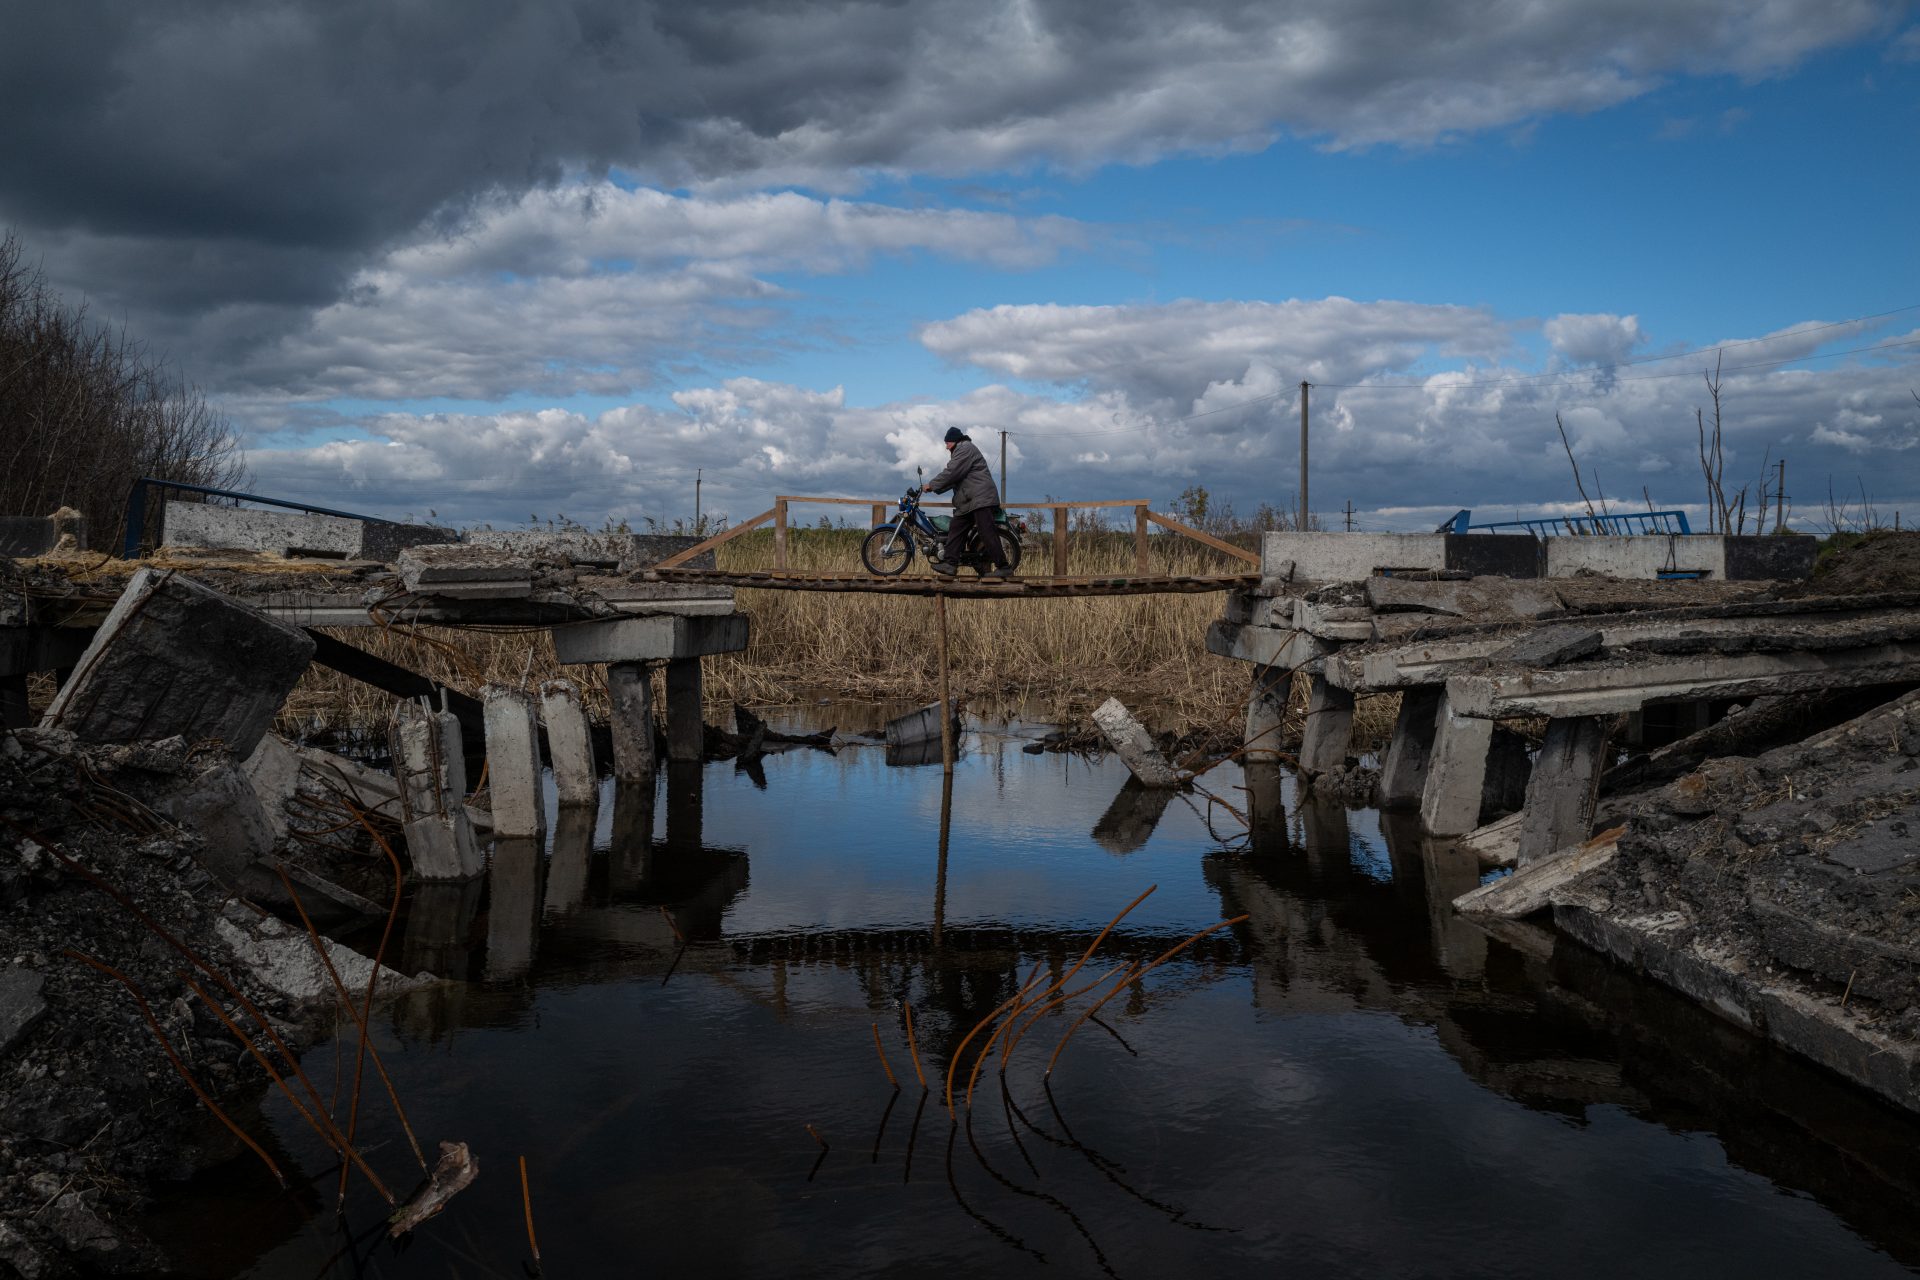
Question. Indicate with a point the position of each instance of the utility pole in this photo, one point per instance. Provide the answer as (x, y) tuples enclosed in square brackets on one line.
[(1303, 522), (698, 472), (1003, 468), (1780, 500), (1349, 515)]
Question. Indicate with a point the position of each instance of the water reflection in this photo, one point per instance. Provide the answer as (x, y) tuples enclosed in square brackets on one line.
[(653, 1027)]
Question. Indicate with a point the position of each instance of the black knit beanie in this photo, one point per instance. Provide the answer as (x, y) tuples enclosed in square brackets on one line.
[(955, 435)]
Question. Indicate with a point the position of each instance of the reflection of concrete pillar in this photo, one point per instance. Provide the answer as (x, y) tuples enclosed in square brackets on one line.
[(513, 908), (571, 858), (630, 850), (1266, 711), (1129, 821), (440, 928), (1404, 772), (631, 692), (1325, 825), (569, 745), (1323, 744), (1266, 808), (684, 799), (513, 762), (1445, 870), (1566, 779), (1450, 801), (686, 730)]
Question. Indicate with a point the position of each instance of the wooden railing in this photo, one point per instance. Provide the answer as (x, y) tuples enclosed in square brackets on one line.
[(1143, 516)]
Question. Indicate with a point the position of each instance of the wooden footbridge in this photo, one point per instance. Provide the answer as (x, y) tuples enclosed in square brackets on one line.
[(1055, 583)]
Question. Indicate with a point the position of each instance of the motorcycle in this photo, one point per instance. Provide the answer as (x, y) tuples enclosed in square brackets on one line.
[(889, 549)]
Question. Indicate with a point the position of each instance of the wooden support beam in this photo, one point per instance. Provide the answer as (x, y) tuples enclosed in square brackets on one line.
[(1060, 541), (681, 557), (1168, 522), (779, 533), (1140, 539), (372, 669)]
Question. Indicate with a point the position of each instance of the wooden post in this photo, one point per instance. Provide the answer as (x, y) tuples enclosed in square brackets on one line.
[(946, 700), (1003, 468), (1304, 523), (1060, 541), (879, 515), (1140, 540), (779, 533)]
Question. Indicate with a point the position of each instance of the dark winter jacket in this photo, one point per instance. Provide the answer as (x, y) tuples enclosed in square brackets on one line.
[(967, 475)]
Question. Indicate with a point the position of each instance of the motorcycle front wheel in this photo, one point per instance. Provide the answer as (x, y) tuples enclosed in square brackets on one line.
[(887, 551)]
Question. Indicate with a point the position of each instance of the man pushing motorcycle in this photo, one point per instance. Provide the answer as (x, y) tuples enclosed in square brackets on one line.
[(974, 501)]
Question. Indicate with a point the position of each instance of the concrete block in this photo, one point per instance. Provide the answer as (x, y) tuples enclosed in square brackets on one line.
[(1636, 556), (466, 573), (1456, 774), (1332, 622), (919, 726), (1473, 599), (561, 546), (1403, 774), (1496, 555), (1497, 844), (630, 690), (569, 744), (1550, 646), (1772, 557), (1323, 743), (281, 533), (513, 763), (1565, 783), (283, 958), (176, 657), (384, 540), (651, 638), (1350, 557), (1134, 745), (273, 770)]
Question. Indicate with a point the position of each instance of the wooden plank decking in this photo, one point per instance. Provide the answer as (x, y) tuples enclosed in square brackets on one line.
[(991, 589)]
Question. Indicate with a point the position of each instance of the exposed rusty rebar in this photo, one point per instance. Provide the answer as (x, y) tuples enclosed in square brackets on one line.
[(1139, 972), (913, 1047), (884, 1066)]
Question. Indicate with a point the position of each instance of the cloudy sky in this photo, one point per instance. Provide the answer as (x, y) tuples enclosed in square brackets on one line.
[(503, 259)]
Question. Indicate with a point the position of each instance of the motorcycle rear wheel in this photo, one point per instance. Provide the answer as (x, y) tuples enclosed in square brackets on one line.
[(887, 561), (1009, 547)]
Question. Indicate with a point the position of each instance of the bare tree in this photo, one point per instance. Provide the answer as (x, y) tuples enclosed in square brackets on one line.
[(85, 411)]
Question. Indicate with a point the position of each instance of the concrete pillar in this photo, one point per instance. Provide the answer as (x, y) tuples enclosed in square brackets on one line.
[(1450, 801), (1266, 710), (1566, 779), (513, 763), (686, 729), (630, 689), (1134, 745), (1404, 772), (430, 773), (569, 745), (1323, 744), (13, 701), (513, 908)]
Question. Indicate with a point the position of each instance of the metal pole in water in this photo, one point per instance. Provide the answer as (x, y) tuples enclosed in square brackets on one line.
[(946, 701)]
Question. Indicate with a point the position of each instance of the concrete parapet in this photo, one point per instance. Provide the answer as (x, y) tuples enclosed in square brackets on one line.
[(1637, 556), (569, 744), (645, 550), (292, 533), (1772, 557), (1350, 557), (513, 762), (650, 638), (177, 657)]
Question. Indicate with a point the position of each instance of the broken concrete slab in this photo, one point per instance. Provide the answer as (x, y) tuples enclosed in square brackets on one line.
[(1134, 745), (1532, 887), (513, 762), (273, 771), (220, 805), (293, 533), (1884, 844), (1566, 782), (283, 958), (20, 1004), (1336, 622), (176, 657), (1265, 646), (1549, 647), (463, 572), (1497, 844)]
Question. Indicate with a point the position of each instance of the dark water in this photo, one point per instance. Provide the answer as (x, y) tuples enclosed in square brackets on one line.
[(1353, 1082)]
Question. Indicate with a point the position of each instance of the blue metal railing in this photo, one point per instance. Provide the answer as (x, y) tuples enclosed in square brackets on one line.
[(1619, 524), (137, 507)]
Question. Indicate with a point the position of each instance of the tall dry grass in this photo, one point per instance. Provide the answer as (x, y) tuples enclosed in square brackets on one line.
[(1046, 659)]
